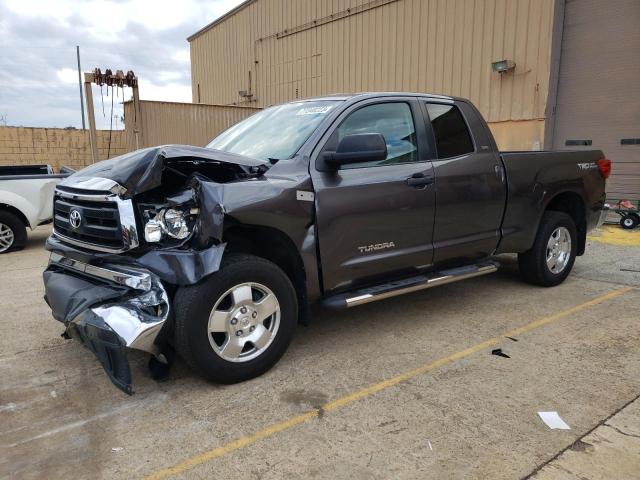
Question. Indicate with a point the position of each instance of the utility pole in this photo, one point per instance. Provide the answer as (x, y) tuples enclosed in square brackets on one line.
[(93, 141), (80, 86), (119, 79)]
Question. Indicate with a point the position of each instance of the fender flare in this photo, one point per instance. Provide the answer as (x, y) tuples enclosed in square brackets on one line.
[(17, 204), (547, 200)]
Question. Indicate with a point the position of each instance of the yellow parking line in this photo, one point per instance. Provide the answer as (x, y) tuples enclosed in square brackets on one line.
[(271, 430), (614, 235)]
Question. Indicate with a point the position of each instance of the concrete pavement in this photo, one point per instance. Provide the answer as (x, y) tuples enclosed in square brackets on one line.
[(462, 413), (611, 451)]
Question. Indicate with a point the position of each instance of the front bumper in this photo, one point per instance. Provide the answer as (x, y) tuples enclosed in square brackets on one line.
[(110, 309)]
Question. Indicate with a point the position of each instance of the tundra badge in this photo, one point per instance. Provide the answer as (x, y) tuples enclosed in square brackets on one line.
[(377, 246)]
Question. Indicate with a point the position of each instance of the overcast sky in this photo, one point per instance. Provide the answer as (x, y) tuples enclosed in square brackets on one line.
[(38, 69)]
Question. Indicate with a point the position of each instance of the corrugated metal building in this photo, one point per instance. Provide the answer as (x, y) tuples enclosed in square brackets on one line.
[(278, 50), (163, 123)]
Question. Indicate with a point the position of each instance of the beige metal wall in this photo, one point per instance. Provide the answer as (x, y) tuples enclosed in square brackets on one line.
[(518, 135), (280, 50), (180, 123), (57, 147)]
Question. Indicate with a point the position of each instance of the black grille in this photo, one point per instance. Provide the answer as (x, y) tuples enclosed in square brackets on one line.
[(99, 222)]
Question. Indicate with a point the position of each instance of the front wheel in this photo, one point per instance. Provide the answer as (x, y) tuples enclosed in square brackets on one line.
[(238, 322), (550, 260)]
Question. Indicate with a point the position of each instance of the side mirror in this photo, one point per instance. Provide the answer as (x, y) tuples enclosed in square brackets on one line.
[(359, 148)]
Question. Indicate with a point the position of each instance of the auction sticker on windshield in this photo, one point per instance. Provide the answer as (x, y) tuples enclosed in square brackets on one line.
[(314, 110)]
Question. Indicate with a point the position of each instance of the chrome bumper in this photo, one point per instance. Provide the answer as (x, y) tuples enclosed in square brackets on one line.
[(137, 317), (138, 280)]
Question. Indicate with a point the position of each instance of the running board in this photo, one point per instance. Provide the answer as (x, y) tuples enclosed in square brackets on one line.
[(407, 285)]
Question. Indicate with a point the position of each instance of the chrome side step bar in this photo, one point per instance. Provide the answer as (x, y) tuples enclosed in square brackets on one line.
[(413, 284)]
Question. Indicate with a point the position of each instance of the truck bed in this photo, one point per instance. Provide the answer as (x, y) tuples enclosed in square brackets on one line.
[(574, 172)]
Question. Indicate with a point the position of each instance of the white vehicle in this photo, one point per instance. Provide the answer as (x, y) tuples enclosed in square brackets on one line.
[(26, 200)]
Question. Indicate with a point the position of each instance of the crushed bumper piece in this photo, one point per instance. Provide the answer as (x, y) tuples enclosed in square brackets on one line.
[(107, 317), (183, 267), (108, 347)]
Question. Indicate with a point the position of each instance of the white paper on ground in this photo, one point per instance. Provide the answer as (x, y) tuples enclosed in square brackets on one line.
[(553, 420)]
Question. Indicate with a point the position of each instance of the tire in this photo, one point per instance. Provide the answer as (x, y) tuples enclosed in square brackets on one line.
[(13, 232), (630, 221), (216, 355), (534, 265)]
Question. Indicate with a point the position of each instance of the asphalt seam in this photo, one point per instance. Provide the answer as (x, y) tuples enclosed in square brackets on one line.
[(570, 446), (621, 432), (608, 282)]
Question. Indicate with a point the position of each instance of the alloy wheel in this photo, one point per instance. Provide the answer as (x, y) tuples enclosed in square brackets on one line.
[(558, 250), (6, 237), (244, 322)]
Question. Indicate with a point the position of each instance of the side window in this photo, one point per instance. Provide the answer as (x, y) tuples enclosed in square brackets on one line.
[(393, 120), (451, 132)]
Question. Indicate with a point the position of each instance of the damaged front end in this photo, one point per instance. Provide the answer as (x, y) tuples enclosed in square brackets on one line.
[(127, 233), (109, 309)]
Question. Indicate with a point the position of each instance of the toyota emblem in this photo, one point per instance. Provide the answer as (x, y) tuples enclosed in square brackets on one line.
[(75, 219)]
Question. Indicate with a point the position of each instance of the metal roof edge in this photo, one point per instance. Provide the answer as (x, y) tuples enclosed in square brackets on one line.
[(220, 19), (193, 103)]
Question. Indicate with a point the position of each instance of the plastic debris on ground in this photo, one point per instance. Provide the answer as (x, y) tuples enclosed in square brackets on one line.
[(553, 420)]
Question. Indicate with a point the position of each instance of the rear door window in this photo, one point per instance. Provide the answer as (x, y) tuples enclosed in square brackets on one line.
[(450, 130)]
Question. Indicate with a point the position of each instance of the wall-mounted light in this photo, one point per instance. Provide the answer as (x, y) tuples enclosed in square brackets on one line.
[(502, 66), (245, 94)]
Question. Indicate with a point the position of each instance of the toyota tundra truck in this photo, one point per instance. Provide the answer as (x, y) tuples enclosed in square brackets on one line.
[(217, 253)]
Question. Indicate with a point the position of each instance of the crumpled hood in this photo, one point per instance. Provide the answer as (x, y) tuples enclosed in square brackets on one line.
[(141, 170)]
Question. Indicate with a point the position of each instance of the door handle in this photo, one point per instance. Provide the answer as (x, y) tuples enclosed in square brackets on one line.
[(419, 180)]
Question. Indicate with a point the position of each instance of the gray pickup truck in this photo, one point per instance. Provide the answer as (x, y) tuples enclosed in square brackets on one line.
[(218, 252)]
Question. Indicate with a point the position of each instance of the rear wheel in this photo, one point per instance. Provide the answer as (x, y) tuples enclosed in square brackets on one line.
[(551, 258), (13, 233), (237, 323), (630, 221)]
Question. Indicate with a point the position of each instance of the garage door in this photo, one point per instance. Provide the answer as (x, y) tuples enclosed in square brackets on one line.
[(598, 103)]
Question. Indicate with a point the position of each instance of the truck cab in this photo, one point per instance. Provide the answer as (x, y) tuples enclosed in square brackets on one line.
[(437, 197)]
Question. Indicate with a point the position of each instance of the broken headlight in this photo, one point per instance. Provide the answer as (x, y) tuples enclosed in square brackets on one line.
[(174, 223), (170, 222)]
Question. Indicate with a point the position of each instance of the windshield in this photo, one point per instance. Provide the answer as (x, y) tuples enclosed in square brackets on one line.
[(274, 133)]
